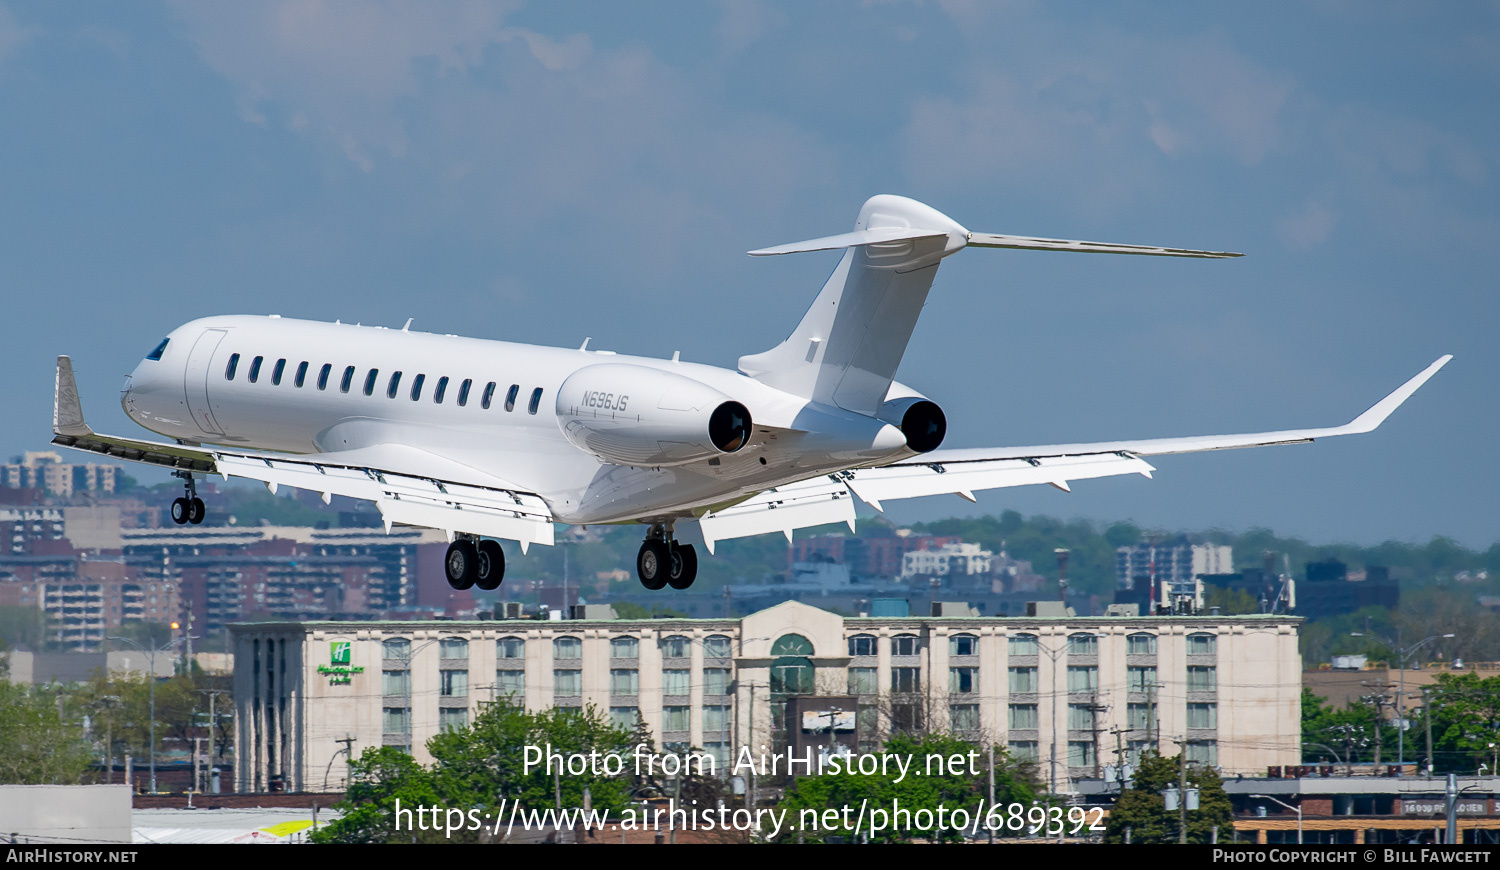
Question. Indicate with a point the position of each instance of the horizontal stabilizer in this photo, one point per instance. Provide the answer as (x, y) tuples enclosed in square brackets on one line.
[(1025, 243), (876, 236)]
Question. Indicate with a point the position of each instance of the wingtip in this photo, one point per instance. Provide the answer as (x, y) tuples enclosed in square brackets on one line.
[(1382, 409)]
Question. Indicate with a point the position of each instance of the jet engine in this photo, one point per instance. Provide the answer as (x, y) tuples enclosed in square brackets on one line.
[(641, 416), (919, 418)]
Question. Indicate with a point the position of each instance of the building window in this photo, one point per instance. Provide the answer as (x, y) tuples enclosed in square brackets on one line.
[(720, 751), (624, 681), (963, 681), (1023, 750), (1205, 752), (567, 648), (717, 646), (1140, 679), (963, 717), (1080, 717), (624, 717), (716, 719), (395, 720), (1141, 645), (1202, 679), (1138, 717), (1022, 645), (862, 645), (863, 681), (1080, 753), (715, 681), (676, 647), (395, 684), (906, 681), (906, 717), (624, 648), (510, 648), (453, 718), (963, 645), (396, 649), (567, 684), (1203, 715), (453, 648), (1023, 680), (1023, 717), (1134, 749), (906, 645), (1083, 678), (675, 718), (792, 669), (1083, 645), (510, 683), (1202, 644), (675, 682), (454, 684)]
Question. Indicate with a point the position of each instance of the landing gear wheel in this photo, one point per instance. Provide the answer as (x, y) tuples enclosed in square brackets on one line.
[(653, 563), (181, 510), (684, 566), (461, 564), (489, 570), (196, 510)]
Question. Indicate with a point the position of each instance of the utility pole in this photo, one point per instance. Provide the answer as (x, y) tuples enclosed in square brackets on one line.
[(1182, 791), (1427, 720)]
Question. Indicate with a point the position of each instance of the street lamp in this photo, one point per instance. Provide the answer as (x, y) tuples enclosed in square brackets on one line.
[(1296, 809), (1403, 654), (152, 679)]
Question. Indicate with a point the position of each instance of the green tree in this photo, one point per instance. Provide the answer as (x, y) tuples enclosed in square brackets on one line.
[(1142, 808), (381, 781), (953, 787), (1353, 734), (1465, 722), (40, 743)]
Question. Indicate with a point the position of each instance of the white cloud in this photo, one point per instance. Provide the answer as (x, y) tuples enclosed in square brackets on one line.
[(1307, 227)]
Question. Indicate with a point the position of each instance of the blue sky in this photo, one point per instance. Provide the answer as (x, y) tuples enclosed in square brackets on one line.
[(546, 172)]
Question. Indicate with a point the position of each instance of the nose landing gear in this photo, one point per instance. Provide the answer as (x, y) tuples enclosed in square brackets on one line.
[(662, 561), (189, 508)]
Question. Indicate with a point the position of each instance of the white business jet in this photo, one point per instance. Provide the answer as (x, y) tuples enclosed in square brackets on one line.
[(490, 440)]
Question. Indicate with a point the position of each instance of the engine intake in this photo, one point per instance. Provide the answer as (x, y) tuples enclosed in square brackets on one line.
[(636, 415)]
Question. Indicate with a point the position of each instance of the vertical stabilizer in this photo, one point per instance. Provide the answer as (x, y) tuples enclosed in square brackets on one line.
[(848, 345)]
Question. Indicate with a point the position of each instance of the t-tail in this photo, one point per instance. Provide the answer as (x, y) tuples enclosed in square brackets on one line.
[(846, 349)]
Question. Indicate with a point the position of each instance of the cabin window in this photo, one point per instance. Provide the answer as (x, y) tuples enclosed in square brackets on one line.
[(510, 396), (536, 401), (234, 363), (301, 374), (440, 389), (416, 387), (160, 349), (370, 381), (347, 379), (489, 393), (463, 392), (323, 374), (277, 372), (255, 368), (390, 391)]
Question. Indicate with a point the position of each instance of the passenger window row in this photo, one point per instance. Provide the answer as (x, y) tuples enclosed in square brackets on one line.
[(393, 385)]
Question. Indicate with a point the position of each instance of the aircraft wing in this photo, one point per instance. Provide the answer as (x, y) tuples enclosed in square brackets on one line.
[(410, 486), (964, 471)]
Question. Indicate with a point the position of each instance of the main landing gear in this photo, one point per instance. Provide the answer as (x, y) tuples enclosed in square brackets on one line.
[(664, 562), (189, 508), (474, 562)]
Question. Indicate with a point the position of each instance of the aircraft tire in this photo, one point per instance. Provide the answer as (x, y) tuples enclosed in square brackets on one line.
[(684, 566), (653, 564), (196, 510), (180, 511), (489, 569), (461, 564)]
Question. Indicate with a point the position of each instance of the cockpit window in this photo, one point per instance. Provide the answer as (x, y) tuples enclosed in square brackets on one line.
[(160, 349)]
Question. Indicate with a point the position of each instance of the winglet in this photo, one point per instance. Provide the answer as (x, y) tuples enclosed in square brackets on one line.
[(1382, 409), (67, 410)]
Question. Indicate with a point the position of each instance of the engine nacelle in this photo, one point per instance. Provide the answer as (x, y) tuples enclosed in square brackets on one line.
[(635, 415), (919, 418)]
